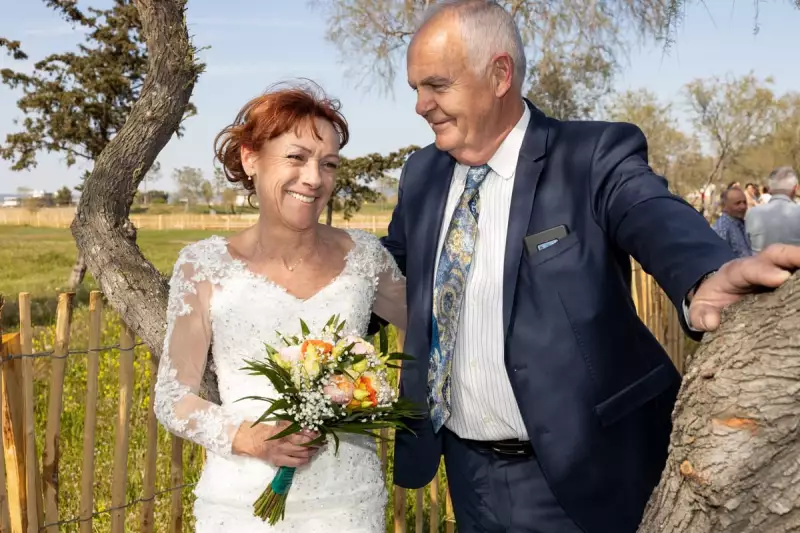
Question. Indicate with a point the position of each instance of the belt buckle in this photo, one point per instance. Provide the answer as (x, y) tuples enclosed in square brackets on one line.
[(505, 451)]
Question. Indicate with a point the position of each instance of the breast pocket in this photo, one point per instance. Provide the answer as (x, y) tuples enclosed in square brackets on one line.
[(552, 251)]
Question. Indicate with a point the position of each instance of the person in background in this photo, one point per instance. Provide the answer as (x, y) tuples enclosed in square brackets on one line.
[(779, 220), (730, 225), (751, 193), (765, 195)]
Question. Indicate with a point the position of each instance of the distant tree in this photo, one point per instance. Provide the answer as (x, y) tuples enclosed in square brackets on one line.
[(732, 114), (24, 191), (74, 103), (355, 179), (192, 187), (64, 196), (155, 197), (781, 146), (672, 153), (152, 175), (560, 36), (224, 190), (207, 192)]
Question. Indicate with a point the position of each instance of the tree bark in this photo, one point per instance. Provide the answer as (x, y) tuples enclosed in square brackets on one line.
[(102, 229), (329, 213), (78, 272), (734, 462)]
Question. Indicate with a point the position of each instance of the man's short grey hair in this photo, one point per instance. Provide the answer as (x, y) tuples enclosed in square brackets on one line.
[(782, 180), (486, 29)]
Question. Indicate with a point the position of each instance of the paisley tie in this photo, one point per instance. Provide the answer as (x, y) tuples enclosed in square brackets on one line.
[(448, 294)]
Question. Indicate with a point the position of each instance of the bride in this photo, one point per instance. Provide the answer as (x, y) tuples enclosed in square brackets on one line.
[(233, 294)]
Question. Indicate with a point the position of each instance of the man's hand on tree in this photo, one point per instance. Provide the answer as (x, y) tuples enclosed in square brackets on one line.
[(735, 279)]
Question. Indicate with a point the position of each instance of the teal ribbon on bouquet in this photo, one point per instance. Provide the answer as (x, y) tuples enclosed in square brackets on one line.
[(282, 481), (272, 502)]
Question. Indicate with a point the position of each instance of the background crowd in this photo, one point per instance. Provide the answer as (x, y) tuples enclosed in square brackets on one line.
[(755, 217)]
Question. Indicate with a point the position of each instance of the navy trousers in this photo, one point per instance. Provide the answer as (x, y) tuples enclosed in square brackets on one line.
[(493, 494)]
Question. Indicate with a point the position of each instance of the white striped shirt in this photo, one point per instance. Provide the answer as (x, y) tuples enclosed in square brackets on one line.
[(483, 403)]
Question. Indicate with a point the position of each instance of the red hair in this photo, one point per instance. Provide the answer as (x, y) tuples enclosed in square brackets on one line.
[(269, 116)]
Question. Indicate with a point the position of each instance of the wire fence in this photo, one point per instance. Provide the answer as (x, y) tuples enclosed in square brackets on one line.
[(34, 496), (29, 498), (53, 355), (108, 510)]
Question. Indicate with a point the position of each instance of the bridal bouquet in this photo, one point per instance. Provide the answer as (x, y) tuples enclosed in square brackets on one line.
[(330, 384)]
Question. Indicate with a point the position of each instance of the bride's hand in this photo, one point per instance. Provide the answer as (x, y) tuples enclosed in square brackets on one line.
[(287, 451)]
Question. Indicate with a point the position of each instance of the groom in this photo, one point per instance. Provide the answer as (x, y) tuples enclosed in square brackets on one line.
[(548, 397)]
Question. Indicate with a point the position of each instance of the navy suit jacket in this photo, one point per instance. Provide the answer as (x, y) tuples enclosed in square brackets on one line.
[(595, 388)]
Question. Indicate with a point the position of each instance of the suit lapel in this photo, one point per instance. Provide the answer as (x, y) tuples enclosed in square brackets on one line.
[(429, 226), (526, 178)]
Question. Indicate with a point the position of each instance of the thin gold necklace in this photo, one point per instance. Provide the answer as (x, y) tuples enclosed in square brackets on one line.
[(291, 268)]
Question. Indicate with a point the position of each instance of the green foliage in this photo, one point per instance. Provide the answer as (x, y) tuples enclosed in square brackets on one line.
[(192, 186), (63, 196), (569, 87), (74, 103), (731, 114), (671, 153), (356, 177)]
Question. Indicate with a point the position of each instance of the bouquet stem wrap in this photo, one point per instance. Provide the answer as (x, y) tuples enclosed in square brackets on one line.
[(272, 502)]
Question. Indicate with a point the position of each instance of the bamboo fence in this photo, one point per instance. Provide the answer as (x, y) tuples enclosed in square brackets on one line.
[(30, 494), (62, 218)]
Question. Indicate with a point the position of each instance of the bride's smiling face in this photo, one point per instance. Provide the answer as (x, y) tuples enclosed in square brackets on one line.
[(294, 174)]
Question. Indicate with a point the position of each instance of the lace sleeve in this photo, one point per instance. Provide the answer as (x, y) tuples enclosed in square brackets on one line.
[(177, 403), (390, 299)]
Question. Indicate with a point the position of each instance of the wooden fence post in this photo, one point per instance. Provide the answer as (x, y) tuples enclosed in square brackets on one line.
[(33, 479), (434, 518), (54, 407), (119, 481), (175, 480), (90, 422), (13, 435), (149, 488)]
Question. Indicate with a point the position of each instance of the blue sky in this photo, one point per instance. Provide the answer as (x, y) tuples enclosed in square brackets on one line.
[(255, 43)]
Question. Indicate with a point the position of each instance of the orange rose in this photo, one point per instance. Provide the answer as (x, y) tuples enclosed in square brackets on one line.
[(323, 348), (365, 395)]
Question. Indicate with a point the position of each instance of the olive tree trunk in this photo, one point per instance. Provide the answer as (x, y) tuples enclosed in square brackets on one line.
[(734, 461), (102, 230)]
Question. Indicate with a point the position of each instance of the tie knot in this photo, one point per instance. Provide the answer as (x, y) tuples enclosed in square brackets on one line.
[(476, 175)]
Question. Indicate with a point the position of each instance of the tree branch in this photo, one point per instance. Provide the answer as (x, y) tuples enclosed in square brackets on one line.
[(736, 426), (102, 230)]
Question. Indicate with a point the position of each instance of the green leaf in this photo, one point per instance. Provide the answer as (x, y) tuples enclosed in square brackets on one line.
[(384, 340), (335, 442), (291, 430), (304, 328), (317, 441)]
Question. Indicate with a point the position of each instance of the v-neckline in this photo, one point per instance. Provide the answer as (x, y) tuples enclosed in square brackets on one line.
[(269, 282)]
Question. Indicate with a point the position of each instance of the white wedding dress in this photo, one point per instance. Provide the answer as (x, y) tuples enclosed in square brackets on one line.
[(214, 297)]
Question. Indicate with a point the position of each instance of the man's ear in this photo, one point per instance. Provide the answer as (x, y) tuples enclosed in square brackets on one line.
[(502, 73)]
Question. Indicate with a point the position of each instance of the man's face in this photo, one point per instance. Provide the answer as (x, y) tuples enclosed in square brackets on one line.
[(736, 203), (451, 96)]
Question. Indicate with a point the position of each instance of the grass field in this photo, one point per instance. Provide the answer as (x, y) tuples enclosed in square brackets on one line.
[(38, 260)]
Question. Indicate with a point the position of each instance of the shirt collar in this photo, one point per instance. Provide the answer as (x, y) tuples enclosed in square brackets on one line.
[(781, 197), (504, 160), (733, 219)]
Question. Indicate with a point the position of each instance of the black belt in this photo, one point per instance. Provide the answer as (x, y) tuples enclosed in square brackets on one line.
[(506, 448)]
